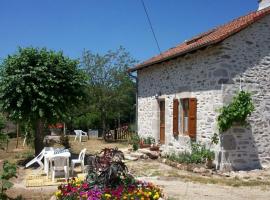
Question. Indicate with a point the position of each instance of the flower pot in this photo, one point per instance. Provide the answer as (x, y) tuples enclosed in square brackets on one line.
[(209, 163), (144, 145), (154, 148)]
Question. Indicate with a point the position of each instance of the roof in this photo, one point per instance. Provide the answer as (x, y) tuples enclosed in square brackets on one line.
[(208, 38)]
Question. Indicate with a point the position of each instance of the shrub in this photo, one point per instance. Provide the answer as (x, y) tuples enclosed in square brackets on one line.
[(4, 140), (148, 140), (135, 140), (199, 154), (9, 171)]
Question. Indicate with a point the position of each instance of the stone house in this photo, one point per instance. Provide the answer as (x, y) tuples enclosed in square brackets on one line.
[(180, 90)]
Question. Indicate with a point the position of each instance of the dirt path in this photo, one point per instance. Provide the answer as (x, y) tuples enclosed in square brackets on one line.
[(183, 185), (177, 189), (33, 193)]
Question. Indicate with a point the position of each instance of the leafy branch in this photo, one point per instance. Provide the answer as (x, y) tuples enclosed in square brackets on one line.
[(237, 111)]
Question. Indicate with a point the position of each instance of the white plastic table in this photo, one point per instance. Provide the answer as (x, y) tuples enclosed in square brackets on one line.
[(49, 153)]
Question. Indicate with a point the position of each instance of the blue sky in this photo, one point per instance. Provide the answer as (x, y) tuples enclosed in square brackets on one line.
[(101, 25)]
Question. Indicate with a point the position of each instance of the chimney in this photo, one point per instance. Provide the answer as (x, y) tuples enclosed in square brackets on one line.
[(263, 4)]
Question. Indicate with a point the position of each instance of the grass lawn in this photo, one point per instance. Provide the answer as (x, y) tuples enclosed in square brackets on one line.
[(94, 145)]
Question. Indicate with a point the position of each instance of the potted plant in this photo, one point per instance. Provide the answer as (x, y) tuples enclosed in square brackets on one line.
[(146, 142), (209, 157)]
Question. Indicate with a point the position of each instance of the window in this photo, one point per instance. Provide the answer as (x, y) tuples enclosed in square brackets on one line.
[(185, 116)]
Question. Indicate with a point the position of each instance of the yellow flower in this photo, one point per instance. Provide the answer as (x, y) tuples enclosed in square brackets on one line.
[(58, 193), (108, 195), (156, 196), (77, 180)]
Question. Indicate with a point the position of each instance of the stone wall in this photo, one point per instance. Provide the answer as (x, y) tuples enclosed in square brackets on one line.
[(181, 78), (213, 76), (248, 60), (238, 150)]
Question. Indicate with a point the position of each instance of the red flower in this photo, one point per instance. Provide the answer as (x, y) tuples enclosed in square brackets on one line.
[(57, 125)]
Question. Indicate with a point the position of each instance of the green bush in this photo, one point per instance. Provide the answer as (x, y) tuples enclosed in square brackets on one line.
[(199, 154), (148, 140), (135, 140), (2, 121), (9, 171), (4, 140), (237, 111)]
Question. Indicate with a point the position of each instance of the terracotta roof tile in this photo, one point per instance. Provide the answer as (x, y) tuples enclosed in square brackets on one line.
[(211, 37)]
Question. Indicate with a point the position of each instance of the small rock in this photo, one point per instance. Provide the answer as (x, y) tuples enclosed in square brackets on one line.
[(53, 198), (200, 170), (150, 154), (179, 166), (136, 154), (131, 158), (226, 174), (144, 156), (144, 151)]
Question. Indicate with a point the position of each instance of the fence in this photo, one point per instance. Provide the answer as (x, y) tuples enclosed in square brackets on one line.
[(121, 133)]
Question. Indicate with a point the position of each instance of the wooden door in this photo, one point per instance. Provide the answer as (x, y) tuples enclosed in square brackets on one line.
[(162, 122)]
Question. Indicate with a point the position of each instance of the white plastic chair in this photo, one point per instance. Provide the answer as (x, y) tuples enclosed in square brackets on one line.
[(80, 160), (80, 133), (37, 159), (59, 163)]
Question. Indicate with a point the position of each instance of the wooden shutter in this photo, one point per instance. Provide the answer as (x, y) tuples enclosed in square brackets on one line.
[(192, 117), (175, 117)]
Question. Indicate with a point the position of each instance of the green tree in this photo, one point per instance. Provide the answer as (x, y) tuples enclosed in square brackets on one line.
[(111, 91), (39, 86), (4, 138)]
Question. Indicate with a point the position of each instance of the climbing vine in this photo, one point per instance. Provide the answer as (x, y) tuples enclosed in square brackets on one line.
[(236, 112)]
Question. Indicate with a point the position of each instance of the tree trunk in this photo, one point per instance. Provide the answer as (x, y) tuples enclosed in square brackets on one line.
[(38, 136), (103, 127), (17, 130)]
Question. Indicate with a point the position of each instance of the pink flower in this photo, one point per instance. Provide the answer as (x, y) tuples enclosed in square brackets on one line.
[(85, 185)]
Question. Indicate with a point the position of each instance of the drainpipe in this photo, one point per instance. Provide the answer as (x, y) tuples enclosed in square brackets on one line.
[(136, 115)]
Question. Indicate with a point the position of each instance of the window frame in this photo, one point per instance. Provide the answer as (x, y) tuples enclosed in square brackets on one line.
[(181, 116)]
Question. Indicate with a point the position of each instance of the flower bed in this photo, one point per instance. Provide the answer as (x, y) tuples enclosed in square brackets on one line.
[(78, 189), (108, 179)]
